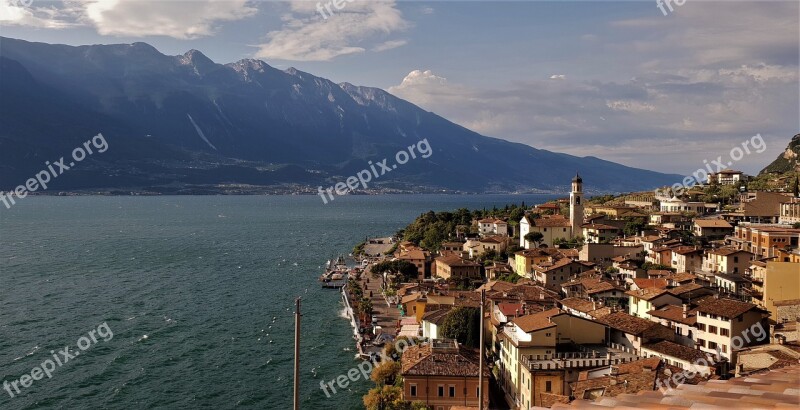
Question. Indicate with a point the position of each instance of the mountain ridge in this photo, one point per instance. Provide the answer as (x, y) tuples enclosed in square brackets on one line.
[(187, 121)]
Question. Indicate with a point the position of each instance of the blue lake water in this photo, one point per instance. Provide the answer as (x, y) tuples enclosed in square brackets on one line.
[(189, 286)]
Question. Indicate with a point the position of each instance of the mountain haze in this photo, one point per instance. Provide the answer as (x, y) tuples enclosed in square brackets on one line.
[(178, 124)]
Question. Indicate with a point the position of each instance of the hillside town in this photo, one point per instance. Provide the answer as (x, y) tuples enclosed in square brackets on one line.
[(659, 301)]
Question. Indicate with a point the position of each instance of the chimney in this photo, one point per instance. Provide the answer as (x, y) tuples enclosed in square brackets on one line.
[(594, 304), (685, 310)]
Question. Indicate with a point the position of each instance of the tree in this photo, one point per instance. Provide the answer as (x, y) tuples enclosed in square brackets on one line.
[(463, 324), (386, 373), (535, 237), (385, 398)]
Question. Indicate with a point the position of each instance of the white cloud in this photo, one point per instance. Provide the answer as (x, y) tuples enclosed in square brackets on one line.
[(133, 18), (177, 19), (427, 10), (307, 36), (28, 13), (388, 45), (558, 77)]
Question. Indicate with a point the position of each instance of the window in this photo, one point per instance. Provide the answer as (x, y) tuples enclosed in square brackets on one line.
[(478, 391), (712, 329), (701, 342), (548, 386), (712, 345), (724, 332), (740, 318), (724, 348), (545, 229), (441, 391), (452, 391), (413, 390), (701, 326), (548, 334)]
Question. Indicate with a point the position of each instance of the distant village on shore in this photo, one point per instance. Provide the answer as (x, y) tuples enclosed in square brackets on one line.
[(636, 300)]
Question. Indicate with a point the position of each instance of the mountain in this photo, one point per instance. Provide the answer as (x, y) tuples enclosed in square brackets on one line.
[(185, 124), (788, 161)]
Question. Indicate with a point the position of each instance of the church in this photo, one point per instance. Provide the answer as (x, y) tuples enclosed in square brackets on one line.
[(553, 227)]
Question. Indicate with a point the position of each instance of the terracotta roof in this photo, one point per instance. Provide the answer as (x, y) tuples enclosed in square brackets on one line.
[(579, 304), (555, 265), (712, 223), (553, 222), (600, 226), (675, 314), (728, 308), (453, 260), (536, 321), (689, 287), (658, 283), (423, 360), (724, 251), (510, 309), (647, 293), (436, 316), (627, 323), (672, 349), (767, 390)]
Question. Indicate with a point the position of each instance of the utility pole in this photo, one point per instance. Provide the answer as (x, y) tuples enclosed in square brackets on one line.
[(480, 360), (297, 354)]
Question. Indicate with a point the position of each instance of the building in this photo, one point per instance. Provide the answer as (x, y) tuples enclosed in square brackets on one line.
[(681, 319), (552, 228), (540, 334), (764, 240), (773, 282), (453, 267), (790, 212), (674, 204), (631, 332), (681, 356), (576, 205), (442, 374), (431, 321), (599, 233), (418, 257), (642, 301), (726, 325), (725, 177), (527, 259), (686, 258), (727, 260), (552, 274), (492, 226), (712, 228)]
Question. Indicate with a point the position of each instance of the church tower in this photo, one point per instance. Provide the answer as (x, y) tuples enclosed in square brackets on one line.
[(576, 206)]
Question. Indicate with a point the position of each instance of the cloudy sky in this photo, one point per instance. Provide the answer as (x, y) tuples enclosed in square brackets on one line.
[(616, 80)]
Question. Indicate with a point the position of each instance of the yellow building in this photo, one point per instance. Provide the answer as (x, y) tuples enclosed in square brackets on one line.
[(525, 260), (781, 281)]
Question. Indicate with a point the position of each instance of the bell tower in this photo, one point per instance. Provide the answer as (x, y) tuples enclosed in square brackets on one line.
[(576, 205)]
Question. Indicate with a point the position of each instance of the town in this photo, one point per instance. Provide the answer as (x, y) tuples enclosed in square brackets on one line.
[(636, 300)]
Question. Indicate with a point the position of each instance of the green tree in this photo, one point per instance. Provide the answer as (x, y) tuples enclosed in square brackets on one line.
[(535, 237), (463, 324)]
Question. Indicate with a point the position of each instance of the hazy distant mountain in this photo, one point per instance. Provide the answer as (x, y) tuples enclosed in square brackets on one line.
[(788, 160), (184, 121)]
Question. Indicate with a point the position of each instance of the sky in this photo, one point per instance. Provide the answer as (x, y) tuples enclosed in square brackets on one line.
[(666, 90)]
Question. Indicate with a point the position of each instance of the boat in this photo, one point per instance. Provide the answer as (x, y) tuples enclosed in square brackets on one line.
[(336, 273)]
